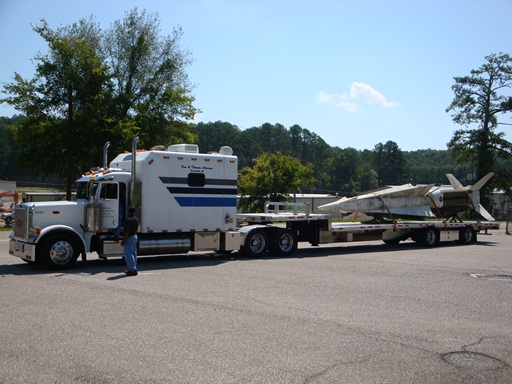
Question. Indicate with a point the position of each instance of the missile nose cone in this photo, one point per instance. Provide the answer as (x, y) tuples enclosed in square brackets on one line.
[(335, 205), (329, 206)]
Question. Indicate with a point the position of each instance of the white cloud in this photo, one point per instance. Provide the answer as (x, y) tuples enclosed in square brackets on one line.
[(358, 91), (362, 91), (350, 107), (323, 97), (198, 117)]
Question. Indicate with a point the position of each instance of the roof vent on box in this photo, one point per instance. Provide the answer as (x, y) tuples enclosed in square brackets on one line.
[(226, 151), (186, 148)]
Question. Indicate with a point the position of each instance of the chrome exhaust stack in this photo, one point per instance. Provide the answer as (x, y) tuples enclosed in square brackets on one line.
[(134, 154), (105, 157)]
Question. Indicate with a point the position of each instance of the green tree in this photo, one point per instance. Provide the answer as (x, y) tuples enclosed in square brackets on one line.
[(343, 164), (390, 163), (210, 137), (308, 147), (251, 146), (74, 56), (8, 148), (427, 166), (275, 138), (273, 177), (350, 173), (266, 138), (367, 177), (150, 84), (480, 99), (142, 91), (503, 178)]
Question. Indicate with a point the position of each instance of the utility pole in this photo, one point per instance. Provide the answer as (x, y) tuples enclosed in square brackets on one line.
[(508, 218), (70, 142)]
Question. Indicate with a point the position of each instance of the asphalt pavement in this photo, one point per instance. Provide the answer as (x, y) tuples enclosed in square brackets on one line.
[(352, 313)]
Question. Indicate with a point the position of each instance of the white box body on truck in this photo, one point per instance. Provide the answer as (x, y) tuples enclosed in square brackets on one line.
[(186, 201)]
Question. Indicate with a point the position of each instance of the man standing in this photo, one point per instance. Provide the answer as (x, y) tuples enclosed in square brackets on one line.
[(129, 242)]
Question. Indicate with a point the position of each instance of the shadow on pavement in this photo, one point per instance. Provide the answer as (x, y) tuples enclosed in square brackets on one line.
[(95, 265)]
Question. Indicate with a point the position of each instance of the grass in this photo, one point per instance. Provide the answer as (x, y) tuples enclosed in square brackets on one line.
[(37, 190)]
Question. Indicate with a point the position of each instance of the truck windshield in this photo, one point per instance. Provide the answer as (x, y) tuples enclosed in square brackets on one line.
[(84, 190), (81, 191)]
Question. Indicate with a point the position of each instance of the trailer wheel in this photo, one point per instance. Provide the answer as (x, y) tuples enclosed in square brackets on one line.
[(283, 242), (59, 251), (467, 235), (256, 243), (429, 237)]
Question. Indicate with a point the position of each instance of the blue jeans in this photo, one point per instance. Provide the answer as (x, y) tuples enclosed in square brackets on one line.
[(130, 252)]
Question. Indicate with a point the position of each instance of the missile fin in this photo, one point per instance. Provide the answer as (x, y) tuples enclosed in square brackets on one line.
[(456, 184), (480, 183), (483, 212)]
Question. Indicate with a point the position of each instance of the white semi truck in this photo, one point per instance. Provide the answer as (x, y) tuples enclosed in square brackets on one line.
[(186, 201)]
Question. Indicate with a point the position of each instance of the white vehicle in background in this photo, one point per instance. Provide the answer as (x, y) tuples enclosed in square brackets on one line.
[(8, 218)]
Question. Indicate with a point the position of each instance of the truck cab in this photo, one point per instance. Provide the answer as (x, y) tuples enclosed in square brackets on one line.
[(184, 200)]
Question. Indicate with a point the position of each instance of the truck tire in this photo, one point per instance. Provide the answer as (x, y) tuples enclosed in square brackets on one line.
[(283, 242), (59, 251), (256, 243), (467, 235), (429, 237)]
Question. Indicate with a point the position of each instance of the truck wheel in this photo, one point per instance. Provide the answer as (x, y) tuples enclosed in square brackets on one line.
[(466, 235), (429, 237), (256, 243), (59, 251), (283, 242)]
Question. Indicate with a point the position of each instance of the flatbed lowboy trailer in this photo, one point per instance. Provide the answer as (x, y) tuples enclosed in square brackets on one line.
[(320, 229)]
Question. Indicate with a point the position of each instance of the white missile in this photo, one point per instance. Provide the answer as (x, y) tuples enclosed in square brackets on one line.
[(389, 198), (416, 201)]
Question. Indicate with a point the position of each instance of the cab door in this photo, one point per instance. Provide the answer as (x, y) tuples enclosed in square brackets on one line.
[(109, 203)]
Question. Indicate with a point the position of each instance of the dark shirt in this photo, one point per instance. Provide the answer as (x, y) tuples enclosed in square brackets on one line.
[(131, 225)]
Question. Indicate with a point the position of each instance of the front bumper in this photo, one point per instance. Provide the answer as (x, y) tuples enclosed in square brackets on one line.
[(23, 250)]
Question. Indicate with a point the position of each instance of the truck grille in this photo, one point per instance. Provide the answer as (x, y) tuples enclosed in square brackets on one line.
[(21, 222)]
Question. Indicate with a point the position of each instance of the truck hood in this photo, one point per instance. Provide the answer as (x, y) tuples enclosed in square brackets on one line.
[(49, 213)]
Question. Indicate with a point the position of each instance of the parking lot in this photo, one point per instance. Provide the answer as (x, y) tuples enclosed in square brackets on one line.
[(355, 313)]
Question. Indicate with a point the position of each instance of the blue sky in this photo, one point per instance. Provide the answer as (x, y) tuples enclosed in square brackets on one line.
[(357, 73)]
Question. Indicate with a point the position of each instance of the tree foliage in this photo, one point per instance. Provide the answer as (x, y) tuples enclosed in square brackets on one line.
[(427, 166), (150, 84), (8, 149), (127, 81), (273, 177), (212, 136), (389, 162), (342, 171), (481, 99)]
